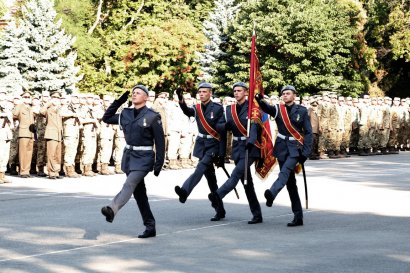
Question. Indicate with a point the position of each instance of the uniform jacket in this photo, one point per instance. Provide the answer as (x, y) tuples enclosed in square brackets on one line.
[(314, 120), (300, 121), (214, 115), (24, 114), (54, 122), (71, 124), (143, 130), (238, 146)]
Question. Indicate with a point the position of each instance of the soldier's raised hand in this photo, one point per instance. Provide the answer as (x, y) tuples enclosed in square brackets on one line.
[(258, 97), (179, 92), (124, 97)]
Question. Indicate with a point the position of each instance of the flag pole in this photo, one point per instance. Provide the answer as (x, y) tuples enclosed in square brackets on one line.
[(250, 100)]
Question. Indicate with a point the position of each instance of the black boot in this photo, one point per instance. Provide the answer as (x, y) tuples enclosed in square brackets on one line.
[(77, 168), (183, 195), (13, 170), (61, 172), (41, 172), (218, 205), (94, 168), (33, 168), (362, 152)]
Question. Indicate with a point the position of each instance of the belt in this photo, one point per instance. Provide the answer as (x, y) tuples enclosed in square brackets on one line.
[(205, 136), (239, 138), (139, 148), (285, 137)]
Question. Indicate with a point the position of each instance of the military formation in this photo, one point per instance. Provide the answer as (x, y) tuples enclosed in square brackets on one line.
[(64, 136)]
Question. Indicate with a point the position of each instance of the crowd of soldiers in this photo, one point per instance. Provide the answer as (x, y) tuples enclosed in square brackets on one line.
[(86, 145)]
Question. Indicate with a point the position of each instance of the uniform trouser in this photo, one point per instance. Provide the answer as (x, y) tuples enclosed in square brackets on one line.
[(345, 139), (185, 146), (25, 154), (4, 154), (364, 138), (14, 150), (70, 149), (53, 157), (373, 137), (90, 147), (41, 152), (354, 138), (315, 146), (238, 174), (119, 144), (205, 167), (174, 140), (105, 150), (134, 184), (383, 137), (287, 177), (393, 138)]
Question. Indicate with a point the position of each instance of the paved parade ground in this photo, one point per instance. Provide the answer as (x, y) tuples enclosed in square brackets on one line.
[(358, 221)]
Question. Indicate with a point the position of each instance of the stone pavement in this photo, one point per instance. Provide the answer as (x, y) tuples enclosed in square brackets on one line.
[(358, 221)]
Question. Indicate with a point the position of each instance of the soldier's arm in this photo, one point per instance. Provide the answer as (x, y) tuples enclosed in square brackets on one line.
[(159, 140), (43, 110), (110, 116), (267, 108), (190, 112)]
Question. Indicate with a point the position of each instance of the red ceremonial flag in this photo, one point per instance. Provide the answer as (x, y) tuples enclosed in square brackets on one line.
[(268, 161)]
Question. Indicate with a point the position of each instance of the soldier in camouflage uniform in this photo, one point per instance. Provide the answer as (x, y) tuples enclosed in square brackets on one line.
[(335, 128), (106, 138), (364, 144), (6, 126), (71, 133), (355, 135), (13, 158), (324, 129), (405, 125), (175, 116), (89, 137), (41, 154), (346, 116), (396, 116)]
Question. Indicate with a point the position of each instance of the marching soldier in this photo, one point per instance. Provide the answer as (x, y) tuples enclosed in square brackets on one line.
[(237, 121), (293, 145), (6, 126), (53, 134), (142, 129), (26, 130), (71, 130), (209, 143)]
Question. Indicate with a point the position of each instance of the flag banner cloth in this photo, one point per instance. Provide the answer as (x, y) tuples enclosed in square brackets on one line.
[(268, 161)]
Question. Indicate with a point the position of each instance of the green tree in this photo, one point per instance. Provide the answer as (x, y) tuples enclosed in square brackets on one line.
[(306, 43)]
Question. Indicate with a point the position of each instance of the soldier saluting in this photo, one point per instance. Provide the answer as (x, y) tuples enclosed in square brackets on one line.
[(210, 143), (293, 144), (236, 121), (142, 130)]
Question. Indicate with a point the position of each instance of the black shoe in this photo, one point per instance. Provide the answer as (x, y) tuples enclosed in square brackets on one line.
[(269, 198), (59, 177), (41, 174), (24, 176), (183, 195), (217, 217), (148, 233), (108, 213), (295, 223), (255, 220)]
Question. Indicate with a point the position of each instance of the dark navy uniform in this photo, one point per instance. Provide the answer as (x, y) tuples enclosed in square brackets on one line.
[(288, 150), (238, 155), (142, 130), (206, 147)]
